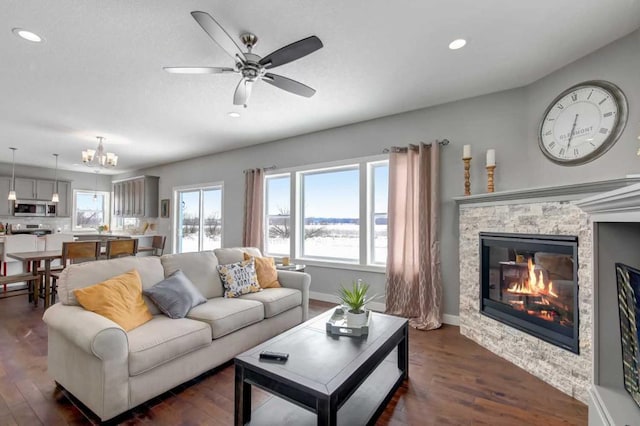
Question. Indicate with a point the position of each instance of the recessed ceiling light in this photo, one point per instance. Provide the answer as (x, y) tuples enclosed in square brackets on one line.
[(233, 114), (27, 35), (457, 44)]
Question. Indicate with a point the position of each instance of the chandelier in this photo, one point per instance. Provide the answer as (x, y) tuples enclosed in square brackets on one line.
[(99, 158)]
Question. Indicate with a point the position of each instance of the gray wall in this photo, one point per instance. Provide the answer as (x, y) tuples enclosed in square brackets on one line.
[(506, 121)]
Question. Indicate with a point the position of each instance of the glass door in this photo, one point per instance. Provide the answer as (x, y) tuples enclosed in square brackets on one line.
[(199, 225)]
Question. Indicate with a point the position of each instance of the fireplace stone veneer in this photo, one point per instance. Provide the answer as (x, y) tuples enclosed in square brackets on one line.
[(566, 371)]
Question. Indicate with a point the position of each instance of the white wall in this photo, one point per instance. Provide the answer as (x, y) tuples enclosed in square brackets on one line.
[(506, 121)]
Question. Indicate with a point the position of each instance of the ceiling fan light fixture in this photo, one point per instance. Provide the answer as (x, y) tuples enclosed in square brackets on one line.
[(457, 44), (27, 35)]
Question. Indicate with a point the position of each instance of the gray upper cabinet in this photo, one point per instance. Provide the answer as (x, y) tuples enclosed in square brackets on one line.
[(25, 189), (45, 189), (5, 204), (35, 189), (63, 207), (137, 197)]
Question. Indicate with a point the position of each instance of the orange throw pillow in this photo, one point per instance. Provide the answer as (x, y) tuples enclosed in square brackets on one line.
[(266, 271), (118, 298)]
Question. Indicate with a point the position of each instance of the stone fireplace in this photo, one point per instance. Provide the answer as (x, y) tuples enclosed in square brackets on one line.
[(530, 283), (567, 366)]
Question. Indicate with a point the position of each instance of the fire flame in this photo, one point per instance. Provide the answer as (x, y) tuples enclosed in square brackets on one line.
[(534, 284)]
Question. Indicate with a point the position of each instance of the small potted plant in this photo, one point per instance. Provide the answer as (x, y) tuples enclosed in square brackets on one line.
[(103, 228), (355, 300)]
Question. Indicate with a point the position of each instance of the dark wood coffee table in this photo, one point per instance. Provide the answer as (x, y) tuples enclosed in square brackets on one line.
[(341, 380)]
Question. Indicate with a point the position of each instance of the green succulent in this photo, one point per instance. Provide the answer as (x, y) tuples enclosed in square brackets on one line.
[(355, 298)]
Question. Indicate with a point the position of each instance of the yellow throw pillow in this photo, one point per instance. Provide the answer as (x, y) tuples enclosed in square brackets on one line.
[(118, 298), (266, 271)]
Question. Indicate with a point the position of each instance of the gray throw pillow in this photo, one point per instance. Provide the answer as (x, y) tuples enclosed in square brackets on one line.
[(175, 295)]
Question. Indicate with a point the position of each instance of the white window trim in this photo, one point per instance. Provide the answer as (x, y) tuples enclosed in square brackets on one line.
[(107, 202), (173, 212), (295, 174)]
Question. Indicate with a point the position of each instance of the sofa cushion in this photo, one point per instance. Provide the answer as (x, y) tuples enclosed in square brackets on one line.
[(82, 275), (175, 295), (227, 315), (276, 300), (235, 254), (199, 267), (239, 278), (118, 298), (163, 339), (266, 271)]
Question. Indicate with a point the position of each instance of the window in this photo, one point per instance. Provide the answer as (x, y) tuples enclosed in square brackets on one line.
[(330, 213), (339, 214), (199, 218), (277, 214), (379, 186), (90, 209)]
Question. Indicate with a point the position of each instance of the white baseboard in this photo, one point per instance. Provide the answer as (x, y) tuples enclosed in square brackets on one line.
[(451, 319), (376, 306)]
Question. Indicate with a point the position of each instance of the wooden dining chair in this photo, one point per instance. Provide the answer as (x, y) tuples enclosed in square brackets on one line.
[(157, 246), (122, 247), (74, 252)]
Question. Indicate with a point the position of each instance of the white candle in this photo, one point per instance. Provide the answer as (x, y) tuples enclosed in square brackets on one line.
[(466, 151), (491, 157)]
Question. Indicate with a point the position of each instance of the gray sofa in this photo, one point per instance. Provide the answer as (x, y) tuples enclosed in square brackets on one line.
[(111, 371)]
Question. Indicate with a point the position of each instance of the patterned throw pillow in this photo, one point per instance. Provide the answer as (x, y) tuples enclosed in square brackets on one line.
[(239, 278)]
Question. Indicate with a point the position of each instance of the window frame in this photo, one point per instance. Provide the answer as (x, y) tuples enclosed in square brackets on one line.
[(106, 208), (296, 213), (176, 216), (267, 215)]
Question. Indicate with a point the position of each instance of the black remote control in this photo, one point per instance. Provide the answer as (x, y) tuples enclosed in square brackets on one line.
[(274, 356)]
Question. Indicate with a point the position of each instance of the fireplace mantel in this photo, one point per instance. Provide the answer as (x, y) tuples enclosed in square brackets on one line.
[(553, 193)]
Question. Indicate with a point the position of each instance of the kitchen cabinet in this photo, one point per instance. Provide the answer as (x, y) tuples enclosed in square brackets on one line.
[(136, 197), (25, 189), (5, 205), (45, 189), (63, 208)]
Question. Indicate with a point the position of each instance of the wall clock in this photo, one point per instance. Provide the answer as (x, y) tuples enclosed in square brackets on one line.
[(583, 122)]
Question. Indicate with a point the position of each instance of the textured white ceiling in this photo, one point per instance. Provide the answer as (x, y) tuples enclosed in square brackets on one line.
[(99, 71)]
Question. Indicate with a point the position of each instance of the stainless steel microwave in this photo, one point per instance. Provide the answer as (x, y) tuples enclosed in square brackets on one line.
[(33, 208)]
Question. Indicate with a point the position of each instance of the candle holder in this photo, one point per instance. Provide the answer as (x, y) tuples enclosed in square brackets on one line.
[(467, 176), (490, 171)]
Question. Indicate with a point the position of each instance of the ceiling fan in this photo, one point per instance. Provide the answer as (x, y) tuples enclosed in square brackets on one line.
[(250, 66)]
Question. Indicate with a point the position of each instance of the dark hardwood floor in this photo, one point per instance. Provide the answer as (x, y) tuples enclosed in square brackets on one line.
[(452, 381)]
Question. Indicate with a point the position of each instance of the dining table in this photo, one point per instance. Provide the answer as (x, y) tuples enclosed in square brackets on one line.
[(34, 258)]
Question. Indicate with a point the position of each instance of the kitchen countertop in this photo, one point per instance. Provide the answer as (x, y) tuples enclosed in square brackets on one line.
[(97, 235)]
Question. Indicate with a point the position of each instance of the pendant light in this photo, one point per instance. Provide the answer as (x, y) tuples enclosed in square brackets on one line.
[(12, 193), (55, 198)]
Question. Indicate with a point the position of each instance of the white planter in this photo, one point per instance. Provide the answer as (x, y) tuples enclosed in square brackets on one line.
[(356, 320)]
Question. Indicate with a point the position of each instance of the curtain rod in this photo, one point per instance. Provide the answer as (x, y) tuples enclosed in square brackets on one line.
[(272, 167), (443, 142)]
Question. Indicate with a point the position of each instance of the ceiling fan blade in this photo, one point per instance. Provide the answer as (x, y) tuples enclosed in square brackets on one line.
[(219, 35), (198, 70), (289, 85), (243, 92), (291, 52)]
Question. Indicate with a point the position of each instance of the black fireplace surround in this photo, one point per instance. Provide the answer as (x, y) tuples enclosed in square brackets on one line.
[(530, 282)]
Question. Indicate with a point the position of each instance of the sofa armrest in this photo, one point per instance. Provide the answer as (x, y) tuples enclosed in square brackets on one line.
[(299, 281), (93, 333)]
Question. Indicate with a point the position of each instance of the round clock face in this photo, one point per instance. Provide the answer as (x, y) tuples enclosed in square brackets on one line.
[(583, 123)]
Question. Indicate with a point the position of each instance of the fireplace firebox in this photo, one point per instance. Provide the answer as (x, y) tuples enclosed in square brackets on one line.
[(530, 282)]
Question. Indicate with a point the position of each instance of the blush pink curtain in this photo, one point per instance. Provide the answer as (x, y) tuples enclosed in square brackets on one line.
[(252, 233), (414, 285)]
